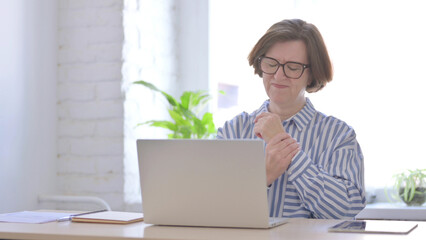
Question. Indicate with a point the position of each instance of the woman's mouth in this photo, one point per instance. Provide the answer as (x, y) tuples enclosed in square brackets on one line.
[(279, 85)]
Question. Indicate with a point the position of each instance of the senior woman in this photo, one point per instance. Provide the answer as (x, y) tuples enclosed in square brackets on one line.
[(314, 164)]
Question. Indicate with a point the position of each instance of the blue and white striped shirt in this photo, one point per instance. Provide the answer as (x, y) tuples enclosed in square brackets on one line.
[(325, 178)]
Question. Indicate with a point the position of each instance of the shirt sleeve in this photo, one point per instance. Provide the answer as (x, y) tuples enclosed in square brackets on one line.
[(240, 127), (333, 185)]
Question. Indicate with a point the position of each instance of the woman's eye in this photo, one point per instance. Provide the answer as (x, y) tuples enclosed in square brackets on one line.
[(294, 68)]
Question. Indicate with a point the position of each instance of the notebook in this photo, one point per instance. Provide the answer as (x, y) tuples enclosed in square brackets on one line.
[(209, 183), (110, 217)]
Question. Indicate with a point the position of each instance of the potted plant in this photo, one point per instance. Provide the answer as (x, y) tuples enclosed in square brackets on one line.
[(185, 122), (410, 186)]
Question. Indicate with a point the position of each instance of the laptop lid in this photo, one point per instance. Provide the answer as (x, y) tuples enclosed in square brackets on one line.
[(214, 183)]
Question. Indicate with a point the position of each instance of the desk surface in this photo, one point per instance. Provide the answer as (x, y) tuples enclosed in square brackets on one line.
[(295, 229)]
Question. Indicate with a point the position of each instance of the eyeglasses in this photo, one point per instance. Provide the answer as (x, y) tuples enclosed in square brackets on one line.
[(291, 69)]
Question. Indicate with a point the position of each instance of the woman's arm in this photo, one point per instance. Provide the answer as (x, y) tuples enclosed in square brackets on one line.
[(335, 187)]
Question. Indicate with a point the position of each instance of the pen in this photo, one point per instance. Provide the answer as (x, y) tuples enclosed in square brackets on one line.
[(68, 218)]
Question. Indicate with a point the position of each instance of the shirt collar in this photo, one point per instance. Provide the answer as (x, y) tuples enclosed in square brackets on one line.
[(301, 119), (304, 116)]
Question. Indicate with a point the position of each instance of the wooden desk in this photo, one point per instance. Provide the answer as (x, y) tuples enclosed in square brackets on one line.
[(295, 229)]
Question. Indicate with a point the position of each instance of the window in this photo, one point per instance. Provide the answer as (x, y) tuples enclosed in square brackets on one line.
[(166, 44), (377, 49)]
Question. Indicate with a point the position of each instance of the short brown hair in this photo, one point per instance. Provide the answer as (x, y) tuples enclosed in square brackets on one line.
[(296, 29)]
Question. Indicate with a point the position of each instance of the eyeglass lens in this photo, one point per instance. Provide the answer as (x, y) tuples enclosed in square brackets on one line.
[(291, 69)]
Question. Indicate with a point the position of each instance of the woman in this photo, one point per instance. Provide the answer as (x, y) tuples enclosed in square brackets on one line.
[(314, 165)]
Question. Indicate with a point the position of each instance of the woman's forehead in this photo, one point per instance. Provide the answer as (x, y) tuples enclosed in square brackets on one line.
[(288, 51)]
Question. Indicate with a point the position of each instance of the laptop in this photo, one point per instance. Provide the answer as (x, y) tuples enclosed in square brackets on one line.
[(208, 183)]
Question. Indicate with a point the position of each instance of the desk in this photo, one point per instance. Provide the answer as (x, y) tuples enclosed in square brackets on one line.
[(295, 229)]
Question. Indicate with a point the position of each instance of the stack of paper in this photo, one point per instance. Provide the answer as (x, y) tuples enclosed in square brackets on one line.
[(32, 217)]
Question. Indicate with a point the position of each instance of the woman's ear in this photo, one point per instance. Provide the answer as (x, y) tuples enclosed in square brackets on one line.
[(311, 81), (310, 86)]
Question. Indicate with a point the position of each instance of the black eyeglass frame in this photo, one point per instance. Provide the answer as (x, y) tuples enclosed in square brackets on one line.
[(282, 66)]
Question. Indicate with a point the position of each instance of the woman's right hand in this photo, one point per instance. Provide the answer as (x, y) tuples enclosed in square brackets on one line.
[(280, 150)]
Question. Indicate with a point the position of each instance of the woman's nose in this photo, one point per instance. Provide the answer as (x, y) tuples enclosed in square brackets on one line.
[(279, 74)]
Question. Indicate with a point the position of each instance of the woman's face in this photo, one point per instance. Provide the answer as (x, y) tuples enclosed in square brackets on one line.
[(281, 90)]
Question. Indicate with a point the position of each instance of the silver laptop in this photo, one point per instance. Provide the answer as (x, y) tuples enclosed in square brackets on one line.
[(210, 183)]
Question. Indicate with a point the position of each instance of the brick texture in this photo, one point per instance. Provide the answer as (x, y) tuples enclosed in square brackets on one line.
[(90, 100)]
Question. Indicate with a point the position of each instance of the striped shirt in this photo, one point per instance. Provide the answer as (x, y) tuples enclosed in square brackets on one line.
[(325, 178)]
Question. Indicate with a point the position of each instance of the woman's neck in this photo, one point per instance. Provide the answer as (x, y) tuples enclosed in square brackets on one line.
[(286, 111)]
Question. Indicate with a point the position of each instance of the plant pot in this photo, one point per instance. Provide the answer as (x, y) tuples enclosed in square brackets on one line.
[(418, 199)]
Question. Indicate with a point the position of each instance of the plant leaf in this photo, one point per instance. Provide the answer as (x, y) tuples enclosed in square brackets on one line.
[(185, 114), (412, 189), (185, 99), (170, 99), (199, 128), (164, 124), (198, 101), (148, 85), (208, 121), (185, 131), (178, 118), (151, 86)]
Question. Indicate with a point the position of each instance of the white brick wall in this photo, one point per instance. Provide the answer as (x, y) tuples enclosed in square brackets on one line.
[(95, 131), (90, 101)]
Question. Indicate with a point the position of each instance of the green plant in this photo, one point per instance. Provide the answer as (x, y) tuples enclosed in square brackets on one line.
[(185, 122), (410, 187)]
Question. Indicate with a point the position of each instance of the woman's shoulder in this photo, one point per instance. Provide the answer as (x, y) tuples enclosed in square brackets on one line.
[(242, 118), (330, 118), (332, 122), (240, 126)]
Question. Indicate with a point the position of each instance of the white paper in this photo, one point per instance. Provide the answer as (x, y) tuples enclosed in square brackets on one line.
[(31, 217)]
